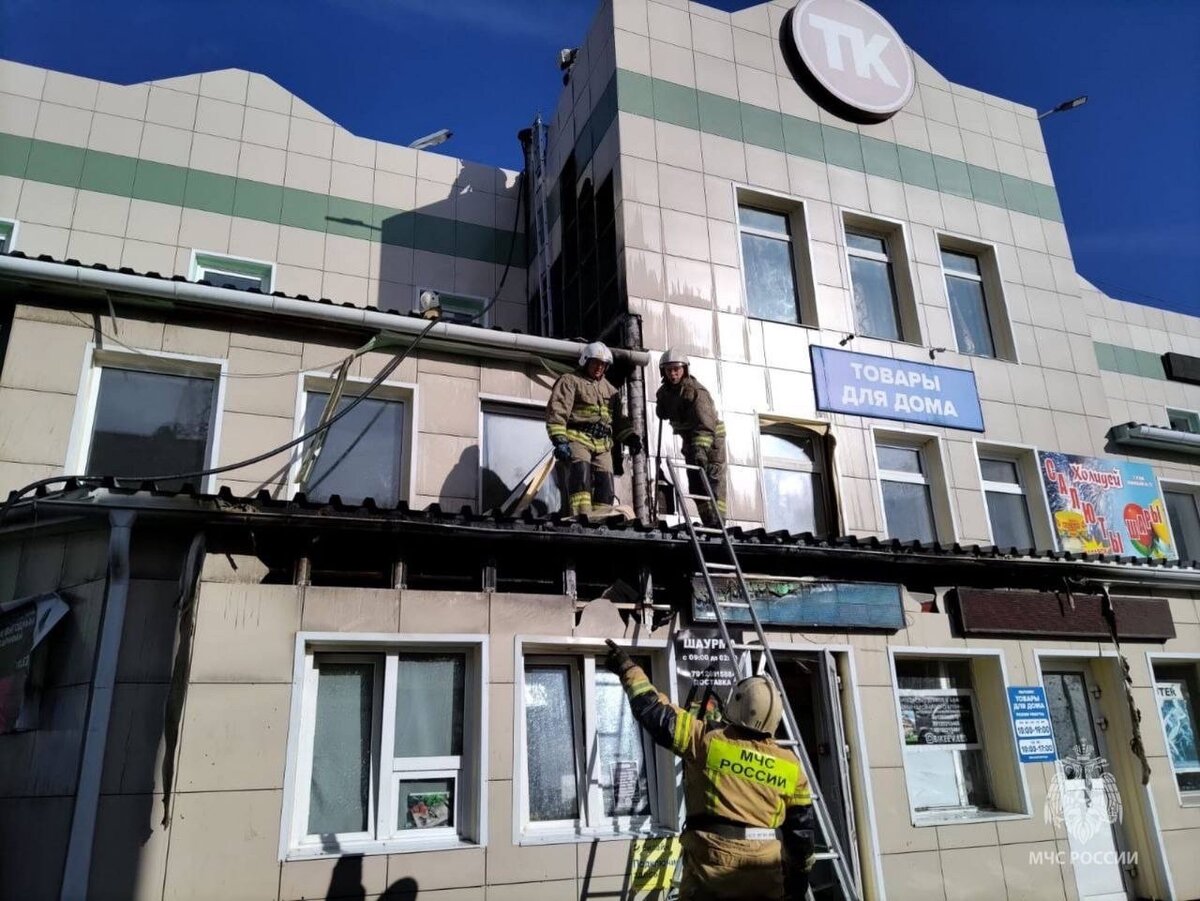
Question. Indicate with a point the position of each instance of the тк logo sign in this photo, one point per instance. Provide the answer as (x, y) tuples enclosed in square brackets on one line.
[(854, 56)]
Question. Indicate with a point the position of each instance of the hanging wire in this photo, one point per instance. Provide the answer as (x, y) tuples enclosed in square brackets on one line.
[(14, 498)]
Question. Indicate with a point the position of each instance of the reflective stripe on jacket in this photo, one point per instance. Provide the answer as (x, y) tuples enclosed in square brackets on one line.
[(728, 772), (691, 411), (578, 399)]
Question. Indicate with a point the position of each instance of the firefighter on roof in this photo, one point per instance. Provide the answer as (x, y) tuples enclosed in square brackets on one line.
[(584, 419), (750, 825), (689, 407)]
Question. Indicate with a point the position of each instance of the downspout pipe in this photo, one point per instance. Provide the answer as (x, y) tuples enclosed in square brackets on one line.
[(470, 339), (637, 412), (78, 867)]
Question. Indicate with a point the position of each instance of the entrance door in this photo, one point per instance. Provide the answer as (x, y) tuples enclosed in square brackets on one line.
[(813, 689), (1084, 794)]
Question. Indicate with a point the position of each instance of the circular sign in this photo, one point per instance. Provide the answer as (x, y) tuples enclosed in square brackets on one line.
[(853, 54)]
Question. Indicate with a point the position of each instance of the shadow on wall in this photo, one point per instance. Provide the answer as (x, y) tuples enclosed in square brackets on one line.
[(346, 883)]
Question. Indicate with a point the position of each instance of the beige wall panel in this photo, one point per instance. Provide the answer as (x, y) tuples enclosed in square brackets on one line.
[(913, 877), (1181, 845), (433, 870), (335, 877), (224, 845), (37, 426), (129, 859), (1036, 882), (507, 863), (897, 834), (350, 610), (443, 611), (524, 614), (234, 738), (245, 633)]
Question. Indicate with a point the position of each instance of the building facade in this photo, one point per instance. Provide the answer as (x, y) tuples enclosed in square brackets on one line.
[(957, 470)]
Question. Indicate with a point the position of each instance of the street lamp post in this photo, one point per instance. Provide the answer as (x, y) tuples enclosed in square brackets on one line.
[(1064, 106)]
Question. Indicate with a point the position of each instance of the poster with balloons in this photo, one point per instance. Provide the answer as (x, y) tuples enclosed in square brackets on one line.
[(1102, 506)]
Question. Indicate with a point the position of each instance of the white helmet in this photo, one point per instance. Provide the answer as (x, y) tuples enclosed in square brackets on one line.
[(673, 355), (755, 704), (597, 350)]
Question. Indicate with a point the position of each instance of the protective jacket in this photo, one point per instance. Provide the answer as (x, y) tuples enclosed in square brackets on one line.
[(691, 411), (586, 411), (732, 778)]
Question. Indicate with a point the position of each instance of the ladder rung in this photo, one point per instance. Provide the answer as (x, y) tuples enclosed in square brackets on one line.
[(725, 566), (825, 855), (708, 530), (736, 604), (698, 497)]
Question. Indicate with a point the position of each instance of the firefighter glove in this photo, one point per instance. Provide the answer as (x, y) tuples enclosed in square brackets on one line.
[(616, 661), (562, 449), (634, 443), (699, 456)]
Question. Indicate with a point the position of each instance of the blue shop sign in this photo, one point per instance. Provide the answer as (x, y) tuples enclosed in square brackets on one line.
[(883, 388), (822, 605), (1031, 723)]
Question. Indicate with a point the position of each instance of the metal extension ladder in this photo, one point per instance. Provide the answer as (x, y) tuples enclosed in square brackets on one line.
[(708, 568)]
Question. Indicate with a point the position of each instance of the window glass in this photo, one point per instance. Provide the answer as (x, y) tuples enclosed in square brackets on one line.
[(969, 312), (770, 278), (1178, 690), (1009, 516), (512, 446), (1066, 697), (150, 423), (870, 243), (787, 447), (341, 763), (908, 511), (1000, 471), (429, 704), (960, 262), (621, 759), (1185, 523), (764, 220), (221, 279), (550, 744), (875, 311), (794, 500), (900, 459), (363, 454)]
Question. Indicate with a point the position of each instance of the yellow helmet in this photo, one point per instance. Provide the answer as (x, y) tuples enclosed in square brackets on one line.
[(755, 703)]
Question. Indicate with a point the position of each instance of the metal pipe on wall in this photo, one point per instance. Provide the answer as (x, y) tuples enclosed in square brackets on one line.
[(632, 337)]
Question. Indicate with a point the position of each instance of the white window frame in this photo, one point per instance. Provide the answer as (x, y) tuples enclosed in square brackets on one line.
[(96, 359), (1191, 798), (662, 770), (894, 234), (933, 462), (796, 210), (497, 404), (1191, 416), (1025, 458), (991, 279), (469, 771), (485, 322), (199, 267), (1176, 486), (11, 228), (986, 738), (323, 381), (820, 468)]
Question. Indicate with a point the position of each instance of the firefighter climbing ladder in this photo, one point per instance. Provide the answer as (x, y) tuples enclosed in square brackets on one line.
[(732, 568)]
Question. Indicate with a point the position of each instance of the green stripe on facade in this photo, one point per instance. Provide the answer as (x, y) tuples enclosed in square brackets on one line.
[(1126, 360), (195, 189), (712, 114)]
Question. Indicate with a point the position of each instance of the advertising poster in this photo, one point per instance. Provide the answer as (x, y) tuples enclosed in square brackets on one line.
[(1179, 726), (23, 626), (937, 719), (704, 672), (655, 861), (1105, 506), (1031, 723), (428, 809)]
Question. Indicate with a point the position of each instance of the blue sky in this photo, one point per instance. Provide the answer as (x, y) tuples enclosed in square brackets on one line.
[(1127, 165)]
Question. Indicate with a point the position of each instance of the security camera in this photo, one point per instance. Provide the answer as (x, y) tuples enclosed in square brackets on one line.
[(430, 303), (566, 57)]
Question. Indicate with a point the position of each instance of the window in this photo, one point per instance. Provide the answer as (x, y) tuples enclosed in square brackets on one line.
[(876, 303), (8, 235), (944, 763), (1177, 686), (968, 306), (1185, 522), (387, 756), (514, 441), (794, 479), (1184, 420), (232, 272), (770, 255), (588, 766), (907, 501), (365, 454), (149, 417), (1008, 508), (461, 308)]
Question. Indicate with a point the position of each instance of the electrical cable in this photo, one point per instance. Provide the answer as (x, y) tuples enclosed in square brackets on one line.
[(14, 497)]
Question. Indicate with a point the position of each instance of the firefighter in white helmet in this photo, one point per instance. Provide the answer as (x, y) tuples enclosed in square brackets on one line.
[(688, 406), (584, 418), (750, 825)]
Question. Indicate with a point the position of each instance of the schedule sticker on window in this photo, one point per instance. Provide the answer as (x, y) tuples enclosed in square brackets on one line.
[(1031, 724)]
